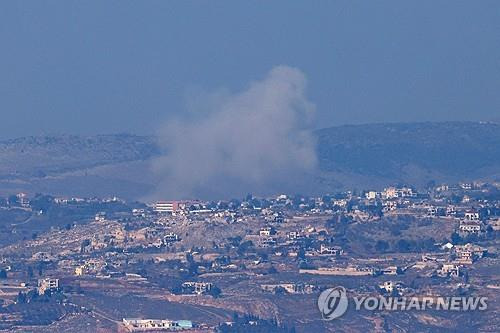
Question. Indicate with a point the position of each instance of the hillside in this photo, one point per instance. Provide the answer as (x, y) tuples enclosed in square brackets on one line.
[(76, 165), (49, 155), (412, 152), (373, 155)]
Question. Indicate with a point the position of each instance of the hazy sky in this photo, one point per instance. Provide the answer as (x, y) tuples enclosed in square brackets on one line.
[(104, 66)]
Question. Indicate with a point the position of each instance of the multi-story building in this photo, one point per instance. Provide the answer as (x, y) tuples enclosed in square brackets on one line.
[(471, 227), (472, 215), (165, 207), (47, 284)]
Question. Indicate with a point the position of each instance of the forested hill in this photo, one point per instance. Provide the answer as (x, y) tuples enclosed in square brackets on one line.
[(448, 149)]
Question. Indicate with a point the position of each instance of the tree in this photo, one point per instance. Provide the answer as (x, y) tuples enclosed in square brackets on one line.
[(40, 268), (215, 292), (431, 184), (30, 272), (272, 270), (455, 238), (21, 298), (13, 200), (244, 247), (301, 254), (381, 246), (41, 202), (85, 243), (403, 245), (3, 274), (428, 244)]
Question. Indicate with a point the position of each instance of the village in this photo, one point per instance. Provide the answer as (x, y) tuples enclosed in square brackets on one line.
[(198, 265)]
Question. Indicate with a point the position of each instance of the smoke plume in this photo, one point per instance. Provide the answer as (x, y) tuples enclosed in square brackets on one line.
[(254, 141)]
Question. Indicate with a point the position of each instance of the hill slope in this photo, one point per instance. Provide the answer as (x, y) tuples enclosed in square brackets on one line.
[(361, 156), (48, 155), (410, 152)]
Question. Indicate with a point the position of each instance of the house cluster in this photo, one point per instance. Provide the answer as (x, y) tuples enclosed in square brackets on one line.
[(197, 242)]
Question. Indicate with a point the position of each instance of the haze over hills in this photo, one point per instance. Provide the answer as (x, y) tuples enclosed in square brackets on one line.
[(374, 155), (415, 153), (50, 155)]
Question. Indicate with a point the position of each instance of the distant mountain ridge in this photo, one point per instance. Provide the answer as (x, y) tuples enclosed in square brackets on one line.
[(45, 155), (358, 156), (453, 149)]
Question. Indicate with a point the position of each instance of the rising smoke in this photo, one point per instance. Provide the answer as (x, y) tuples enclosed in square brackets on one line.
[(255, 141)]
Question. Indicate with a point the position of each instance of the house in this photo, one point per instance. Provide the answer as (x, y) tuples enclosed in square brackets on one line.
[(267, 231), (80, 270), (442, 188), (451, 210), (472, 215), (100, 217), (47, 284), (464, 256), (165, 207), (449, 270), (469, 253), (466, 186), (170, 238), (495, 224), (139, 212), (23, 200), (390, 287), (197, 287), (330, 250), (391, 270), (389, 206), (294, 235), (432, 211), (390, 193), (342, 203), (393, 192), (92, 267), (470, 227), (267, 241), (341, 271), (406, 192), (448, 246), (279, 218)]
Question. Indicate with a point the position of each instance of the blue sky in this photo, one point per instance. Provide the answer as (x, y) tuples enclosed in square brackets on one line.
[(88, 67)]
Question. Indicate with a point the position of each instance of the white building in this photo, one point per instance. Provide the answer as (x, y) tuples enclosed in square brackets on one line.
[(449, 269), (470, 227), (472, 215), (330, 250), (198, 287), (156, 324)]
